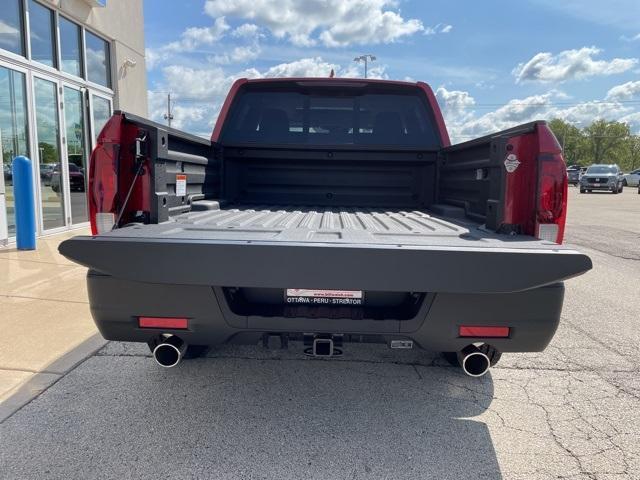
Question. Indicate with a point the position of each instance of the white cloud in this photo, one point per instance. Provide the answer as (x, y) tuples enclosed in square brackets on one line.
[(515, 112), (199, 92), (242, 54), (584, 114), (456, 106), (633, 119), (246, 30), (464, 124), (626, 91), (633, 38), (570, 65), (439, 28), (333, 22), (454, 100), (195, 37), (154, 57), (190, 39)]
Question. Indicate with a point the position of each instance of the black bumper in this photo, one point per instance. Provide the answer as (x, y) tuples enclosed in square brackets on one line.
[(532, 316)]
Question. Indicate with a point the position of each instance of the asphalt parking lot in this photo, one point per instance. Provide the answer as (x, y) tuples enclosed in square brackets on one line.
[(243, 412)]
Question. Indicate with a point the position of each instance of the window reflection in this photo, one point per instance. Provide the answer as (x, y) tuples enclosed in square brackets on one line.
[(97, 60), (76, 154), (41, 28), (47, 128), (11, 28), (101, 114), (13, 131), (70, 47)]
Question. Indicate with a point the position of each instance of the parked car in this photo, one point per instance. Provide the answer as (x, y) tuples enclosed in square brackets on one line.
[(632, 179), (46, 171), (8, 174), (602, 177), (76, 178), (573, 174), (327, 211)]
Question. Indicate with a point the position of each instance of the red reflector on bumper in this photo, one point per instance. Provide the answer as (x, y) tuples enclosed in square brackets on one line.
[(475, 331), (162, 322)]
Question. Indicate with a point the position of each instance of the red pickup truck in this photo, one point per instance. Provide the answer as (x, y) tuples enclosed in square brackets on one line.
[(327, 211)]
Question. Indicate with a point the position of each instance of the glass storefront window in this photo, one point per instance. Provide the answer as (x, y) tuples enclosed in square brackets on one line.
[(14, 131), (101, 114), (98, 65), (41, 28), (70, 47), (76, 154), (11, 26), (48, 129)]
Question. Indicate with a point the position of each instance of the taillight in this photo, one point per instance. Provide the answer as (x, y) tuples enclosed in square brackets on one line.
[(551, 209), (103, 177)]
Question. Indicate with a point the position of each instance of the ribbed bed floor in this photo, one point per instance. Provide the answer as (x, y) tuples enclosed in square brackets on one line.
[(327, 225)]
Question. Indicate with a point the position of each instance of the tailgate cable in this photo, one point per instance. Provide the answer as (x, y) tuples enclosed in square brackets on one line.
[(140, 158)]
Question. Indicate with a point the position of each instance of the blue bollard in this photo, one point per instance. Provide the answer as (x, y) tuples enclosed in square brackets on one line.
[(24, 200)]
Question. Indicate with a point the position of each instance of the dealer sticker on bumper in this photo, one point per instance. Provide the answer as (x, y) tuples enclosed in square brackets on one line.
[(305, 296)]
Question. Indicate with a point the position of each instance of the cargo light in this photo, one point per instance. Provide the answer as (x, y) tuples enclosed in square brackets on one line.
[(174, 323), (486, 332)]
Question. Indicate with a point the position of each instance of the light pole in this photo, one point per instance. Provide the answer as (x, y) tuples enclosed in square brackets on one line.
[(366, 58), (168, 116)]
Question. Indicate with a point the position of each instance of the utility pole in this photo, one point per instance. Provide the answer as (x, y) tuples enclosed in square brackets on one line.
[(168, 116), (366, 58)]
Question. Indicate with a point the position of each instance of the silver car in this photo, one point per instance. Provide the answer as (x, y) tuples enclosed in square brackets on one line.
[(602, 177), (631, 179)]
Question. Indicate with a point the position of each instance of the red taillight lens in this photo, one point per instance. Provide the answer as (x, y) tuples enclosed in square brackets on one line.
[(551, 210), (552, 198), (103, 177), (173, 323), (484, 332)]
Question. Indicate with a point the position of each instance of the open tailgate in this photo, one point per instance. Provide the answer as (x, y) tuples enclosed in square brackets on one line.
[(493, 268)]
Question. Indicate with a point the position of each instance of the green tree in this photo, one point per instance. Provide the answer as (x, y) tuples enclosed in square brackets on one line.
[(633, 148), (572, 141), (48, 153), (607, 141)]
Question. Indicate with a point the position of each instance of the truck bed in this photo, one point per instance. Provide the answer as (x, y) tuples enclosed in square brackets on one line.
[(334, 248), (336, 225)]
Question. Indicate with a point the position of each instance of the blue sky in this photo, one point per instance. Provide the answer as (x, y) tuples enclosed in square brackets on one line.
[(493, 64)]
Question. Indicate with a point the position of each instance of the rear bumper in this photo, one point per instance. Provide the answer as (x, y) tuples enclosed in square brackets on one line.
[(532, 315), (604, 187)]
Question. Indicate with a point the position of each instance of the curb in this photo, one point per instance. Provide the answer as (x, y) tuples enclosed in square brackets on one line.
[(56, 370)]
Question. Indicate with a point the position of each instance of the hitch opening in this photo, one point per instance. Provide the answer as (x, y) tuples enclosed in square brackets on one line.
[(322, 345)]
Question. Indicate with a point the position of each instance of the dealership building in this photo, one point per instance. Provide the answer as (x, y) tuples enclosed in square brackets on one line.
[(65, 65)]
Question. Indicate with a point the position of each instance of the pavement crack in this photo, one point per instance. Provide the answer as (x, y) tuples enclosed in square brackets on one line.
[(26, 297)]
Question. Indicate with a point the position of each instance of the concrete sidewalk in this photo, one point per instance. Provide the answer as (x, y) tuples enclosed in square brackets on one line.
[(44, 318)]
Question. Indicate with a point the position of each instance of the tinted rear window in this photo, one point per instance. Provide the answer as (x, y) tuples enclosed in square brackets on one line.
[(346, 117)]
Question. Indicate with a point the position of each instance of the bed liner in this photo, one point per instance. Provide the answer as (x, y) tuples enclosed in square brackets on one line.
[(332, 225)]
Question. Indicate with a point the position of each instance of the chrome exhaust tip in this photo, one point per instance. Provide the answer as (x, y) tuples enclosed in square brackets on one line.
[(473, 361), (169, 352)]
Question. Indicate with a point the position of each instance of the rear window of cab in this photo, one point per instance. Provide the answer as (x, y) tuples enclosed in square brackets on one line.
[(349, 116)]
